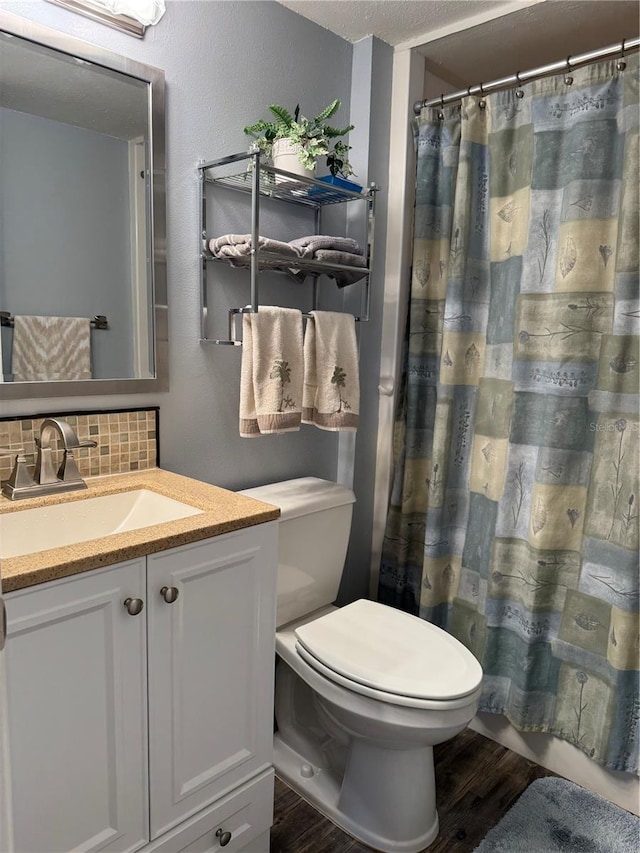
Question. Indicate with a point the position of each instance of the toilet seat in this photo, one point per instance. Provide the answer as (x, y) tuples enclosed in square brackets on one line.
[(389, 655)]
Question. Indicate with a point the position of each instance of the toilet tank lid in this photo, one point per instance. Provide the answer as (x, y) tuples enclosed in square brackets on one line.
[(302, 496)]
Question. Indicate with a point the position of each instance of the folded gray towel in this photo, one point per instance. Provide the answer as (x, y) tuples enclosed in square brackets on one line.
[(237, 245), (236, 248), (308, 246), (342, 277), (348, 259)]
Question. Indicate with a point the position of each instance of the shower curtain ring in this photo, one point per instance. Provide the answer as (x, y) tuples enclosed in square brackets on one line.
[(519, 90), (621, 64), (568, 79), (482, 103), (441, 110)]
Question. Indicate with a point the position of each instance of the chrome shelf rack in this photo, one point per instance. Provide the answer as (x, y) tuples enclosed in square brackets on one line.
[(262, 181)]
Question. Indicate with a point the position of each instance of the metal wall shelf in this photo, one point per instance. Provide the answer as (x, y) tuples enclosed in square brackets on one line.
[(281, 185), (274, 262), (265, 182)]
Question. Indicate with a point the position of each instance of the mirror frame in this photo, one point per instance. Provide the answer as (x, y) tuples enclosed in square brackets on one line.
[(14, 25)]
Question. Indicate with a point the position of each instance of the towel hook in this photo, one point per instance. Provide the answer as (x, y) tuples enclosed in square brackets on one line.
[(482, 104), (519, 90), (568, 79), (441, 110), (621, 64)]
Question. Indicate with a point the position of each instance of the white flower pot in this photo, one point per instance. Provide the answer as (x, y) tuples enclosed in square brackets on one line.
[(285, 156)]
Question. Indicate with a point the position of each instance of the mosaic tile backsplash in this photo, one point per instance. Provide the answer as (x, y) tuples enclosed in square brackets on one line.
[(127, 441)]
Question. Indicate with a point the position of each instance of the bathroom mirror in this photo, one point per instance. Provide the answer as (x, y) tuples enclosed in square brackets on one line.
[(82, 214)]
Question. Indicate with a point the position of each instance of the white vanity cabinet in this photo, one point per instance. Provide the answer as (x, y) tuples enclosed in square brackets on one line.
[(146, 729)]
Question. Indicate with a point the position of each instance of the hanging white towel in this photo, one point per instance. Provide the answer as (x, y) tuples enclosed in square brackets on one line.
[(271, 372), (331, 396), (51, 348)]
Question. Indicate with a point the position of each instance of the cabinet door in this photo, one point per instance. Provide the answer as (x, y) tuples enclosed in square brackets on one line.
[(211, 660), (76, 679), (6, 818)]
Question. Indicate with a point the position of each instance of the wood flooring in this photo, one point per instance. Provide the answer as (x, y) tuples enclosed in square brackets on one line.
[(477, 781)]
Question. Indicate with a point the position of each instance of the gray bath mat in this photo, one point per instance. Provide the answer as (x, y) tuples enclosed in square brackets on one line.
[(556, 816)]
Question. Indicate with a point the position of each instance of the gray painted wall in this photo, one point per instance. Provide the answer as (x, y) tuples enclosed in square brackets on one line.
[(371, 105), (57, 257), (224, 62)]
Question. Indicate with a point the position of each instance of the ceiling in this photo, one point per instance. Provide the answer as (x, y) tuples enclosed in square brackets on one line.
[(529, 38), (393, 21), (479, 41)]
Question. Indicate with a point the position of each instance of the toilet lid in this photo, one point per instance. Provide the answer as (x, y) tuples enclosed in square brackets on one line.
[(391, 651)]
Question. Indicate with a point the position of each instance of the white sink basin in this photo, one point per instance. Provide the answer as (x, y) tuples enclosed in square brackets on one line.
[(30, 530)]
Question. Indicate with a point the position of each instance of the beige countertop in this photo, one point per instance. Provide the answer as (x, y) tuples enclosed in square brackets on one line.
[(223, 511)]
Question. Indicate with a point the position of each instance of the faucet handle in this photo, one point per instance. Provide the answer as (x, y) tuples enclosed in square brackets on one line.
[(89, 442), (20, 477)]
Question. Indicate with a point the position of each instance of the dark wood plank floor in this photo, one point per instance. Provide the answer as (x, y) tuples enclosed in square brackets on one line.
[(477, 781)]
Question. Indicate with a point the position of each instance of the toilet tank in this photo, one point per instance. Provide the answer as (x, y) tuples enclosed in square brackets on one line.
[(315, 521)]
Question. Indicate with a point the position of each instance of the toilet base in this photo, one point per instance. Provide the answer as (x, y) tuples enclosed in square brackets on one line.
[(326, 792)]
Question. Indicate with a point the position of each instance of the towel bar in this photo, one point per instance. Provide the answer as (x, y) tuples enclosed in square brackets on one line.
[(98, 322), (234, 313)]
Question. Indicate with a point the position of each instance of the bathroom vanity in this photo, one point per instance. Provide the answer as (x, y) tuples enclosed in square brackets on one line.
[(140, 679)]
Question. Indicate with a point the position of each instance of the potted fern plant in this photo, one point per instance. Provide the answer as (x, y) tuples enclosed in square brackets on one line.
[(295, 142)]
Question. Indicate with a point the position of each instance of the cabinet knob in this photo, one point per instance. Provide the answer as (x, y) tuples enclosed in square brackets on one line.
[(169, 593), (133, 605), (225, 837)]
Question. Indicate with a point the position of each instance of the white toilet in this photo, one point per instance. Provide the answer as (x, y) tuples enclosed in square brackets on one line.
[(363, 692)]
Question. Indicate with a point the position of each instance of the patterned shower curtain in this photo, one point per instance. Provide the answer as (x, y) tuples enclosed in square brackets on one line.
[(513, 519)]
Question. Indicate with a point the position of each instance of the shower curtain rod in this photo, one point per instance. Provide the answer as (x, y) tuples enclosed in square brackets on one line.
[(524, 76)]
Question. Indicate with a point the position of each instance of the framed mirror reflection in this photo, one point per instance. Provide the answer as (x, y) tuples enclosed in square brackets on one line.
[(82, 211)]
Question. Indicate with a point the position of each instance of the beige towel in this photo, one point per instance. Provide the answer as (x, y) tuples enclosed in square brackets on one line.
[(271, 372), (51, 348), (331, 397)]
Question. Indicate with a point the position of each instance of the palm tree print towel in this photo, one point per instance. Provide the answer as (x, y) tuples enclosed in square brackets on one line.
[(271, 372), (331, 398)]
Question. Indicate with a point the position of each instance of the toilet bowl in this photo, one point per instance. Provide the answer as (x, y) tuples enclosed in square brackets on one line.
[(363, 692)]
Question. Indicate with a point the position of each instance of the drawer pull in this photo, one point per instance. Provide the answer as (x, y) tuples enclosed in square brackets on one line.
[(133, 605), (169, 593), (225, 837)]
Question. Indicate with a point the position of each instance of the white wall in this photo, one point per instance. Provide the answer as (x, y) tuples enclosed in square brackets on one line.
[(370, 112), (224, 62)]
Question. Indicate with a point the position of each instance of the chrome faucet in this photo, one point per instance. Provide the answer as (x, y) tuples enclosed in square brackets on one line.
[(46, 480)]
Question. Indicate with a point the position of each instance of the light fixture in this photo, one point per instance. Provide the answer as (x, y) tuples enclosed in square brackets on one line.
[(129, 16)]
